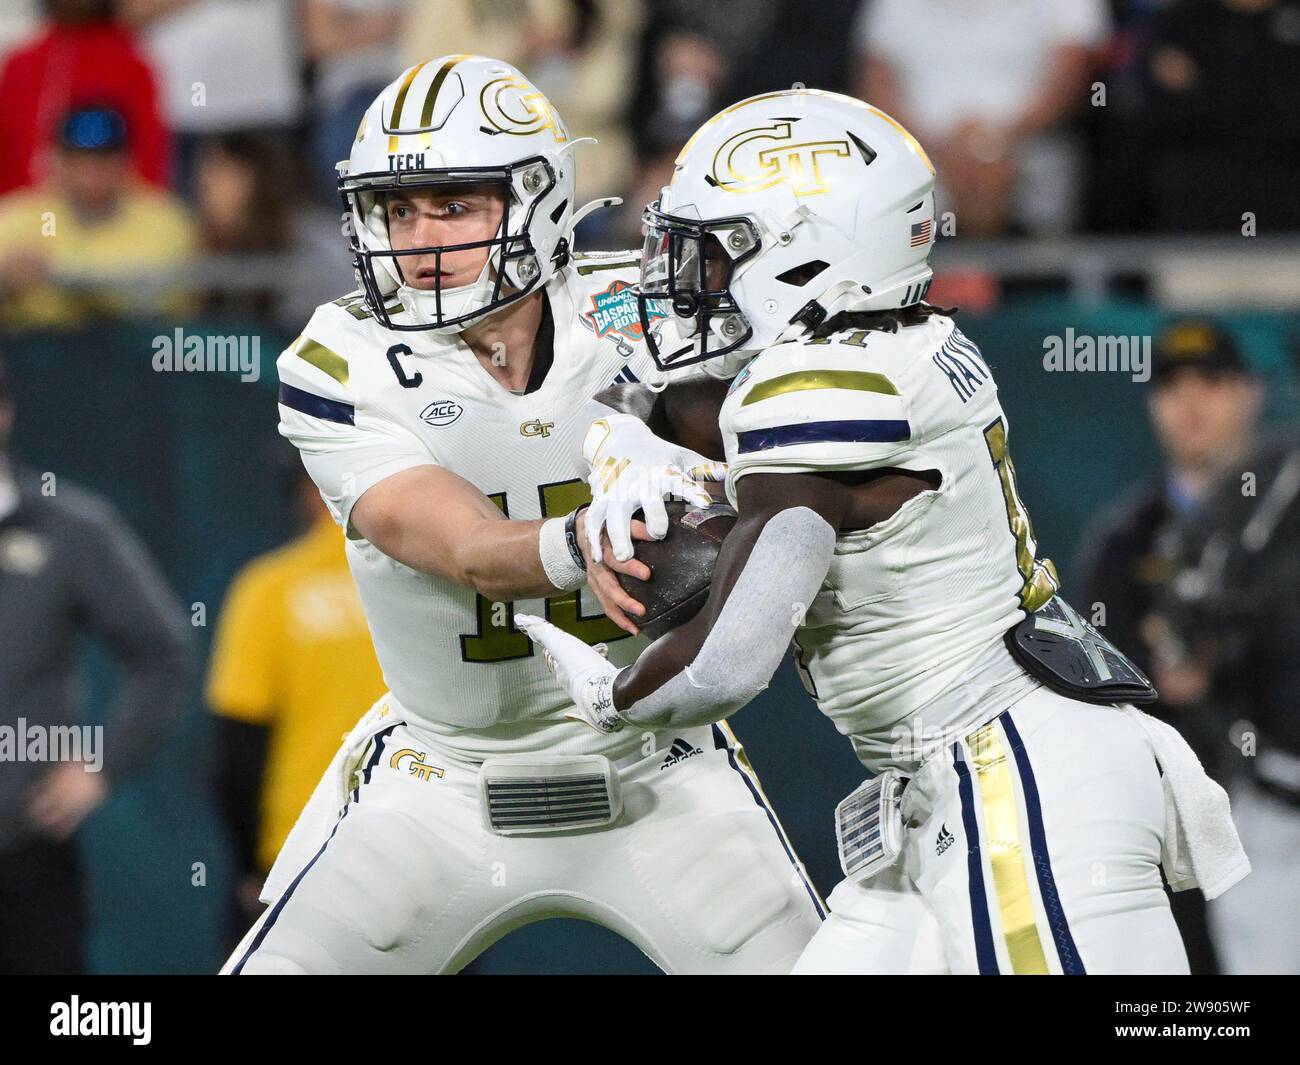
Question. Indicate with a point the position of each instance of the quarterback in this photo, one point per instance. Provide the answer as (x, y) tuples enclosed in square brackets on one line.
[(441, 411), (1021, 809)]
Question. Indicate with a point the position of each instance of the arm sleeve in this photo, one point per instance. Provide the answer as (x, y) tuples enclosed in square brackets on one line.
[(122, 598), (241, 750), (347, 445), (247, 651), (753, 630)]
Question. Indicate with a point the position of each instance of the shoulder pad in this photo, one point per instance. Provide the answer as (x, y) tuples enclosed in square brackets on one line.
[(317, 358), (315, 377), (815, 405)]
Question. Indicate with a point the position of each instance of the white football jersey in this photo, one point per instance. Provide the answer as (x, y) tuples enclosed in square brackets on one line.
[(362, 403), (912, 603)]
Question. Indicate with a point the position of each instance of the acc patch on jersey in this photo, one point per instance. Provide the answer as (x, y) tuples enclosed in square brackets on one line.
[(615, 311)]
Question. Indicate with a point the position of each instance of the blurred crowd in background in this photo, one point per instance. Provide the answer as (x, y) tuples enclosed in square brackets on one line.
[(1089, 116), (173, 161)]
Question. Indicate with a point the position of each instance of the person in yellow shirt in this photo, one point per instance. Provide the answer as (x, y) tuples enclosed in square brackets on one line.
[(292, 670), (92, 241)]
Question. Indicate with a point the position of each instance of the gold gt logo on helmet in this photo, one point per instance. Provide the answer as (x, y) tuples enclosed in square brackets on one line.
[(757, 159), (513, 106)]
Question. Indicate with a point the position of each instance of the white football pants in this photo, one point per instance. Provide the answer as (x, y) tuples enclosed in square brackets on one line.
[(697, 872), (1031, 845)]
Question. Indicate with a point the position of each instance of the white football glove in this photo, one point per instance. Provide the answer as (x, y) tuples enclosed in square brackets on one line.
[(631, 470), (582, 670)]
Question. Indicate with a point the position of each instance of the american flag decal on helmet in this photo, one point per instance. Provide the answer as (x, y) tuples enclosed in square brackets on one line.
[(921, 233)]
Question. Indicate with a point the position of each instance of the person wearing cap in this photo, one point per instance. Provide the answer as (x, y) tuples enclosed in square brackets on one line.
[(77, 247), (1226, 632), (1203, 404), (80, 52)]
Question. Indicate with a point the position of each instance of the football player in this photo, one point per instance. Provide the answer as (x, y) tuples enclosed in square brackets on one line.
[(1017, 820), (441, 410)]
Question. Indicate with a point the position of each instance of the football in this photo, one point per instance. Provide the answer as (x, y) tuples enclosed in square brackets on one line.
[(681, 565)]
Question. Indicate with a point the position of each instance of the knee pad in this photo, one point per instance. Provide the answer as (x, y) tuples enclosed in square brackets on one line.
[(717, 883)]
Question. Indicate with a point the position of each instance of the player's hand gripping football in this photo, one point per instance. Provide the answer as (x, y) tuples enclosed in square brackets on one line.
[(582, 670), (631, 470), (602, 576)]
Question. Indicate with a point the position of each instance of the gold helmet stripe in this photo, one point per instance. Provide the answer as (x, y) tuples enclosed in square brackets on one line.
[(431, 97), (395, 121), (907, 136)]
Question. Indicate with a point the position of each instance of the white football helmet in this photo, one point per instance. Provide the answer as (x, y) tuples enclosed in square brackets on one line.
[(457, 120), (785, 209)]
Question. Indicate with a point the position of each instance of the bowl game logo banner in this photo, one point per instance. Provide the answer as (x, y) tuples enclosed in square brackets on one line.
[(614, 311)]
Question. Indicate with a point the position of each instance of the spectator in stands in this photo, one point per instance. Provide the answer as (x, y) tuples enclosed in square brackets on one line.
[(224, 66), (73, 248), (580, 53), (249, 205), (695, 59), (354, 47), (688, 52), (1119, 196), (69, 569), (82, 58), (988, 86), (1244, 623), (1223, 121), (243, 189), (799, 42), (292, 670), (1204, 403), (1225, 633)]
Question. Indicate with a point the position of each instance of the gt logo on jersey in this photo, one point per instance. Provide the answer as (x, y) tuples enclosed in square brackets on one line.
[(536, 427), (513, 106), (615, 311), (417, 766), (757, 159)]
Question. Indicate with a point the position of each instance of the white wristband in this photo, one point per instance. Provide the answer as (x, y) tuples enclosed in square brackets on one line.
[(557, 560)]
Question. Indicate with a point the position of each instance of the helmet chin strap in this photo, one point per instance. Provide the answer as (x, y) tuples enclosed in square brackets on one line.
[(844, 296), (422, 304)]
